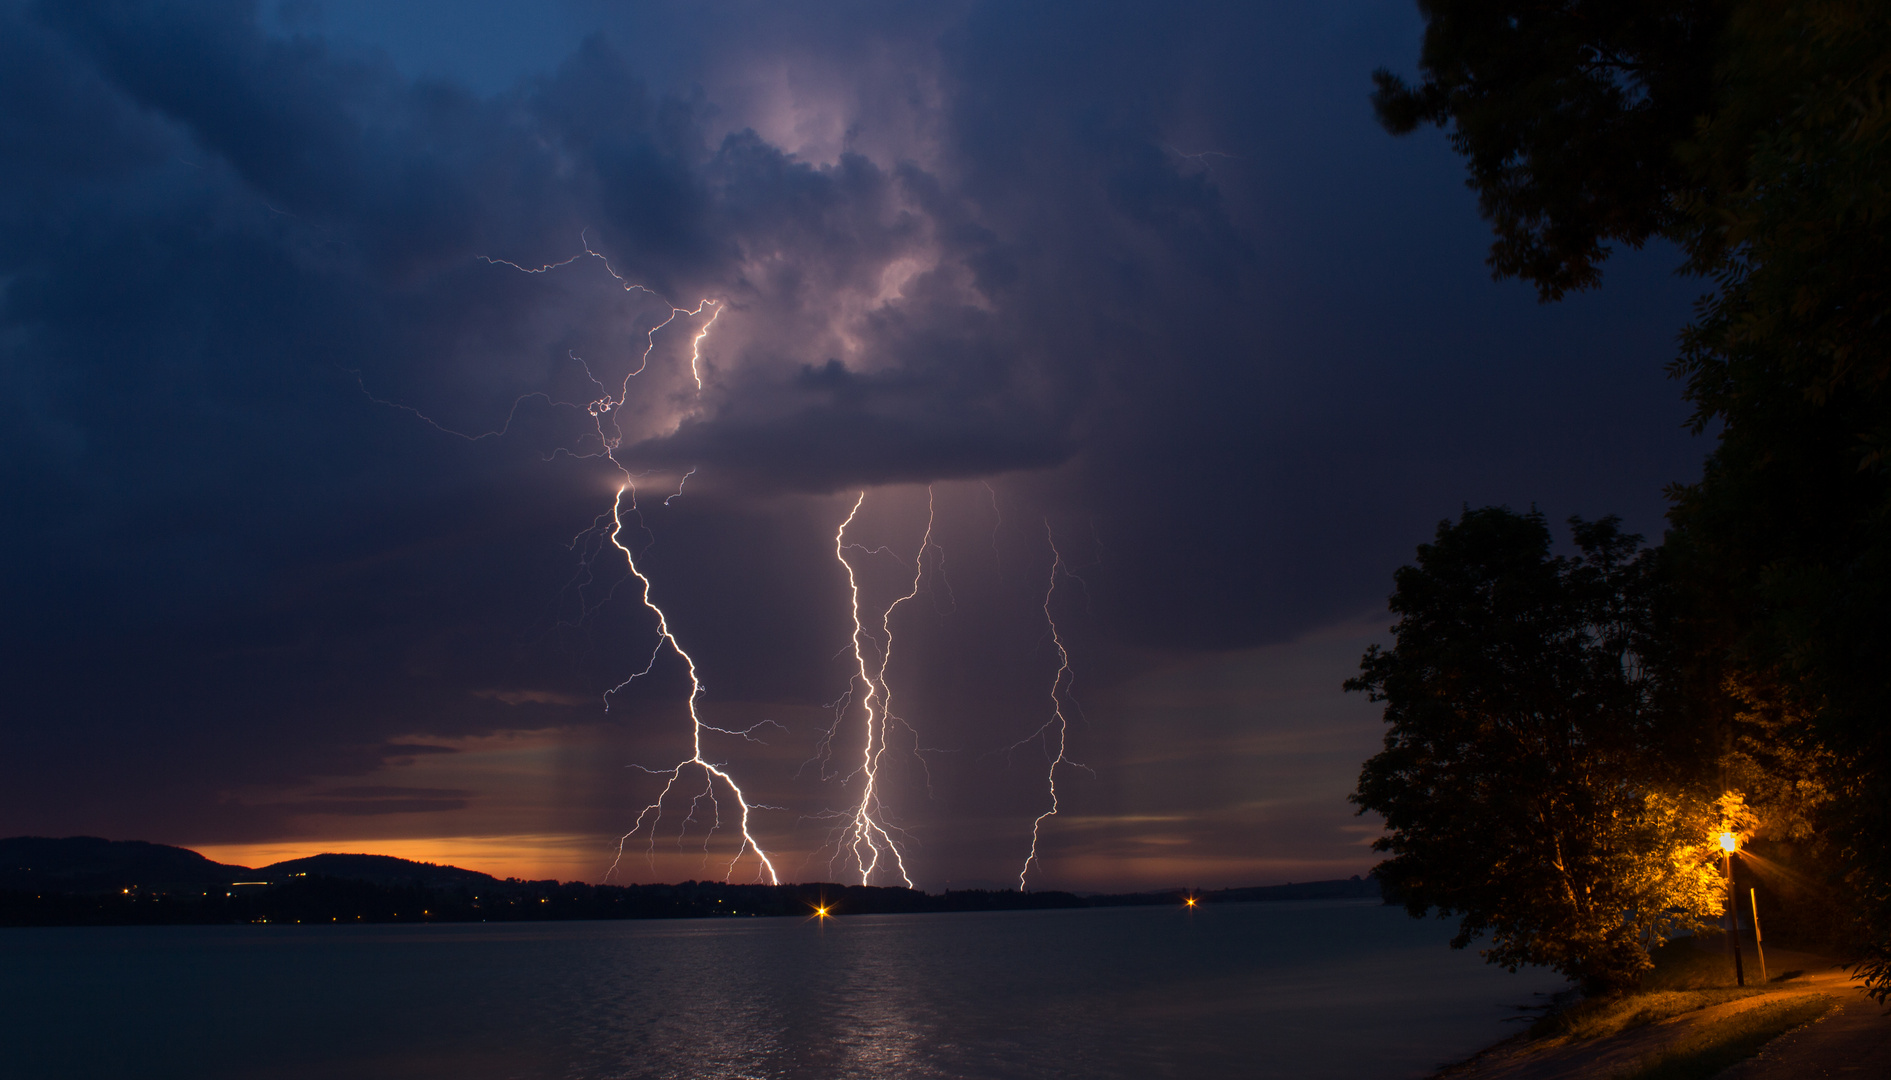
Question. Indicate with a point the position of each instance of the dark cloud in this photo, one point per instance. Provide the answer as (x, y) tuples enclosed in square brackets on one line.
[(376, 800), (535, 697), (1152, 274)]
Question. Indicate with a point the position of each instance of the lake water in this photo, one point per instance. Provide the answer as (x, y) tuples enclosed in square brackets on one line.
[(1348, 990)]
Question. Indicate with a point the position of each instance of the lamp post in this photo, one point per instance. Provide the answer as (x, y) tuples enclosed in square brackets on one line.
[(1729, 843)]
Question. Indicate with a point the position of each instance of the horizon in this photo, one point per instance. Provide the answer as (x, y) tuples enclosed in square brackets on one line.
[(443, 864)]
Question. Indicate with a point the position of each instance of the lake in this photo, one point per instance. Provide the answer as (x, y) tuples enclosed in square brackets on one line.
[(1298, 990)]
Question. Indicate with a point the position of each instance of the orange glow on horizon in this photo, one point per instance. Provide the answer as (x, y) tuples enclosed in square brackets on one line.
[(584, 857), (531, 856)]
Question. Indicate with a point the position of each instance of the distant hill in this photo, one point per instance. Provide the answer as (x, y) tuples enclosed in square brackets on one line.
[(91, 864), (380, 869), (88, 864)]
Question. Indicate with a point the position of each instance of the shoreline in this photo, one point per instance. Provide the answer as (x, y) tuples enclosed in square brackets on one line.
[(1642, 1048), (306, 899)]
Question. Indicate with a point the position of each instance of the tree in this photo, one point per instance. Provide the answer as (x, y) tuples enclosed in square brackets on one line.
[(1791, 356), (1568, 114), (1752, 134), (1515, 782), (1756, 135)]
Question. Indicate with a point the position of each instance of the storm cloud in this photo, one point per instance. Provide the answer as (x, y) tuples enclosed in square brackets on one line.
[(303, 332)]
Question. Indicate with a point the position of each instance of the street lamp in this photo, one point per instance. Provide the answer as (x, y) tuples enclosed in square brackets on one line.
[(1729, 843)]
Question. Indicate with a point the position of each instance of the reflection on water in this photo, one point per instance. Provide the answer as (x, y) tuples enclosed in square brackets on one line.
[(1310, 990)]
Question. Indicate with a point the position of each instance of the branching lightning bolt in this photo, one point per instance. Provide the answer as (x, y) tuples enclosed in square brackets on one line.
[(610, 439), (866, 835), (711, 771), (1058, 726), (610, 401)]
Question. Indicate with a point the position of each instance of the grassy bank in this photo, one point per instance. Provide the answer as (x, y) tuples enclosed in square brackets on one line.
[(1685, 978), (1688, 976), (1729, 1040)]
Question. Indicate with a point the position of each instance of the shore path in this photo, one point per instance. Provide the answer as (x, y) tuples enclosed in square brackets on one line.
[(1853, 1040)]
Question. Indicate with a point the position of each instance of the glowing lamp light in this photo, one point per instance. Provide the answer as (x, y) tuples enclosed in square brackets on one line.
[(820, 912), (1188, 901), (1729, 843)]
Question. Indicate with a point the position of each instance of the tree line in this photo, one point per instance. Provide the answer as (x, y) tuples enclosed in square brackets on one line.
[(322, 899), (1568, 733)]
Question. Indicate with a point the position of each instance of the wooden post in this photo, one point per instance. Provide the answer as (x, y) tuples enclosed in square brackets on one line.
[(1758, 949)]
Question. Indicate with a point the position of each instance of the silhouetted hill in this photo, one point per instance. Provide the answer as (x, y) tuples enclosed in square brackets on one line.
[(90, 864), (76, 864), (379, 869)]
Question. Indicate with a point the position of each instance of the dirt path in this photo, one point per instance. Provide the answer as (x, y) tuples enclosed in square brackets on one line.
[(1852, 1041)]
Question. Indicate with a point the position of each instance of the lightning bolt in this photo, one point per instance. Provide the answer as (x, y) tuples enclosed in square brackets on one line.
[(610, 438), (696, 346), (712, 773), (1058, 725), (609, 401), (679, 487), (866, 836)]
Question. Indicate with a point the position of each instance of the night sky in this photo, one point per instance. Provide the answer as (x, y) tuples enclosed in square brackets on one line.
[(1143, 281)]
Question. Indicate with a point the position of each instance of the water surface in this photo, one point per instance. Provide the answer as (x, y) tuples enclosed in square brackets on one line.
[(1313, 990)]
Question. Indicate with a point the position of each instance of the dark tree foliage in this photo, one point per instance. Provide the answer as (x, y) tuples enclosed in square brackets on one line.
[(1756, 134), (1790, 213), (1515, 781), (1791, 356), (1729, 727), (1569, 114)]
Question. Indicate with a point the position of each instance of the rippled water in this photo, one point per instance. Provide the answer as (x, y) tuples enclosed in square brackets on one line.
[(1302, 990)]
